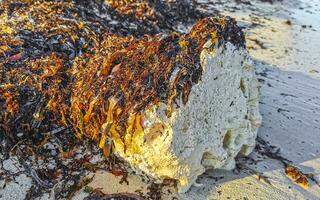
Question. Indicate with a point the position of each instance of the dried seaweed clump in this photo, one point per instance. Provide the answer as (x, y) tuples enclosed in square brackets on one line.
[(139, 9), (61, 68), (159, 16), (38, 42)]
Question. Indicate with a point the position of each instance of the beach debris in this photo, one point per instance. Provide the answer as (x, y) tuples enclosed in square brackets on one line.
[(288, 22), (314, 177), (122, 74), (314, 71), (128, 196), (293, 172), (76, 187), (260, 176), (297, 176), (258, 43)]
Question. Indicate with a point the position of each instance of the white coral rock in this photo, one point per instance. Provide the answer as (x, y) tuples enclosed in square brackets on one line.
[(219, 121)]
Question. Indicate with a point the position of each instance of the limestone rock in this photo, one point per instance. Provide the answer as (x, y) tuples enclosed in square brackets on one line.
[(219, 121)]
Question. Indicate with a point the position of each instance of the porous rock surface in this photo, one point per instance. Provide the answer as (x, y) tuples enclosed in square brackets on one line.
[(219, 121)]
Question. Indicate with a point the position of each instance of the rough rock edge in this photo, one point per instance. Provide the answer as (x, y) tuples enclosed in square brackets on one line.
[(219, 121)]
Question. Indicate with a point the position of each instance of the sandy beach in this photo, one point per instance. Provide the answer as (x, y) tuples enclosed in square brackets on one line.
[(283, 41)]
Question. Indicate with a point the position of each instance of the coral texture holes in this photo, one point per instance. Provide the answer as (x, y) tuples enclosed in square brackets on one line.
[(242, 86), (207, 158), (238, 139), (244, 150), (227, 139)]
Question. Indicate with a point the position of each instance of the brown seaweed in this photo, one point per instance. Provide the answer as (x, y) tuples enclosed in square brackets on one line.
[(59, 68)]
